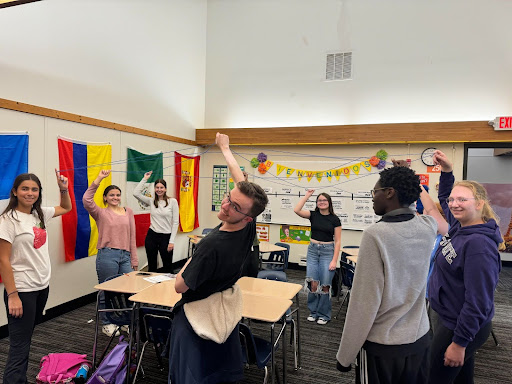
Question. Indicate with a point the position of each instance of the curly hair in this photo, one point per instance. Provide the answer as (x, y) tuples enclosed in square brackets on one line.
[(404, 181)]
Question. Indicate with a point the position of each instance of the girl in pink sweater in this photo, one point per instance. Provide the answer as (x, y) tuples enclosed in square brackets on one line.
[(117, 252)]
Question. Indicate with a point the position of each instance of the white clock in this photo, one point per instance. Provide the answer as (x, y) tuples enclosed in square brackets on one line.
[(426, 156)]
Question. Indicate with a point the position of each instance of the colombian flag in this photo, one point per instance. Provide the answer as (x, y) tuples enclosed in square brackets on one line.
[(187, 187), (81, 163)]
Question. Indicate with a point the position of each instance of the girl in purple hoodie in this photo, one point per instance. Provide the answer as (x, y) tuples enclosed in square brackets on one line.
[(464, 277)]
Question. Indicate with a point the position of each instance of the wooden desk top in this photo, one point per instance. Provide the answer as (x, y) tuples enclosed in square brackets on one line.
[(351, 251), (264, 308), (266, 247), (269, 288), (194, 239), (163, 294), (352, 259), (130, 283)]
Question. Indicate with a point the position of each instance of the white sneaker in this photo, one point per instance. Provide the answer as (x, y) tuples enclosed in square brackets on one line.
[(109, 329), (321, 321), (125, 328), (311, 318)]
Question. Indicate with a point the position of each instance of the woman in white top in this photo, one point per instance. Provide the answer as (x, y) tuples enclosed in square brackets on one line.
[(164, 223), (25, 265)]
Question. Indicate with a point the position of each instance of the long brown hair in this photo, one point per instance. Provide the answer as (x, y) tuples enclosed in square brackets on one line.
[(480, 194), (166, 198), (13, 199)]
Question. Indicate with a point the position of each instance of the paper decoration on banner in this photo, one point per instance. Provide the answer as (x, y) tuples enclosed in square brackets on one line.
[(219, 185), (424, 178), (329, 174), (294, 234), (262, 231)]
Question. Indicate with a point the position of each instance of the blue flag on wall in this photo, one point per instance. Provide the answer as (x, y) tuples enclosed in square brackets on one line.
[(13, 161)]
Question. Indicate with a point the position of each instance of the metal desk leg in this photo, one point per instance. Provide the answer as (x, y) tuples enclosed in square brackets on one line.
[(133, 329), (298, 330), (284, 341), (272, 353), (96, 332)]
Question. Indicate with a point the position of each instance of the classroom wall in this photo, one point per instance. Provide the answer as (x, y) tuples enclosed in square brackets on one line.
[(77, 278), (284, 154), (136, 63), (413, 61)]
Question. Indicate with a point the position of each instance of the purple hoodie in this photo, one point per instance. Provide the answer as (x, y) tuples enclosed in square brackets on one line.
[(465, 274)]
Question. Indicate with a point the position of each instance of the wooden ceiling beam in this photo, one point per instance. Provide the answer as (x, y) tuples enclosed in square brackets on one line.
[(433, 132)]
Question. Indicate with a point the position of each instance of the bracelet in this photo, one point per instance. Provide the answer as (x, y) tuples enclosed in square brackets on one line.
[(9, 294), (63, 191)]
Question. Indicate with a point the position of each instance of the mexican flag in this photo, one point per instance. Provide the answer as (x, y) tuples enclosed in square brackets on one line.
[(137, 165)]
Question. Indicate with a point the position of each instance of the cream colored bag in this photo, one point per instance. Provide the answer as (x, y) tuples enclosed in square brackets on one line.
[(215, 317)]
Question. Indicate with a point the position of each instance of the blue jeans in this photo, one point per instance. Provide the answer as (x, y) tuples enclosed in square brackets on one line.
[(318, 259), (111, 262)]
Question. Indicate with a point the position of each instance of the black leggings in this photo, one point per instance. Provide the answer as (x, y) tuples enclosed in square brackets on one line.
[(20, 334), (158, 242), (439, 374)]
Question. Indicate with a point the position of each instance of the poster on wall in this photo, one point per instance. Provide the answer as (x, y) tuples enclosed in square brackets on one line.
[(219, 185), (294, 234), (500, 196), (262, 231)]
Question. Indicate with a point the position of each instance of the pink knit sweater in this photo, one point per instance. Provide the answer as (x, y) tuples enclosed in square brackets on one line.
[(114, 231)]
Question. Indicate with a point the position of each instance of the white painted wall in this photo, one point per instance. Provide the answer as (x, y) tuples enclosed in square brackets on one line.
[(77, 278), (134, 62), (413, 61)]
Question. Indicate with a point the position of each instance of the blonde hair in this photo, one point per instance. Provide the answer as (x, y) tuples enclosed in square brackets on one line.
[(480, 194)]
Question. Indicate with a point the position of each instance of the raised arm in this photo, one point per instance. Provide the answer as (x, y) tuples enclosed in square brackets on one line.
[(445, 184), (137, 192), (88, 198), (298, 208), (222, 142), (65, 201), (430, 209)]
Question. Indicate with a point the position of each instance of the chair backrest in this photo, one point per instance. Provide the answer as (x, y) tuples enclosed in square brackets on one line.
[(347, 274), (207, 231), (281, 256), (118, 300), (158, 325), (256, 349)]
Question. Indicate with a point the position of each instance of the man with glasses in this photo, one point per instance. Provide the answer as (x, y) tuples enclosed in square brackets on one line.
[(215, 267), (386, 320)]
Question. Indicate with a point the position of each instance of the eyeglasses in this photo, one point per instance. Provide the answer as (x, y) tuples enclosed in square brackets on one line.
[(227, 196), (378, 189), (460, 200), (322, 201)]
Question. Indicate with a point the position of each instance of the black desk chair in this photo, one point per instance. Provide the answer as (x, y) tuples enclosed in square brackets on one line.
[(347, 277)]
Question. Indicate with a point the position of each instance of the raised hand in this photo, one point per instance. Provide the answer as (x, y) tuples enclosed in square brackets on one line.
[(222, 140), (104, 173), (441, 159), (147, 175), (310, 192), (62, 181)]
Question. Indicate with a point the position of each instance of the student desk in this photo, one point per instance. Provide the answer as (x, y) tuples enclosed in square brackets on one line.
[(255, 307), (275, 290), (266, 247), (130, 283), (353, 259), (350, 251), (192, 242)]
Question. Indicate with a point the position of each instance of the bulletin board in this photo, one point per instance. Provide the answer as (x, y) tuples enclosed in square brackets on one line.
[(348, 184)]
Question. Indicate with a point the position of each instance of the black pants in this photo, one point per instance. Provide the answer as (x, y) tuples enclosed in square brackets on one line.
[(440, 374), (20, 334), (154, 243), (394, 364)]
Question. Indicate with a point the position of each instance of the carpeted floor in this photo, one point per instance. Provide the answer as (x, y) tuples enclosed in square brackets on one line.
[(72, 332)]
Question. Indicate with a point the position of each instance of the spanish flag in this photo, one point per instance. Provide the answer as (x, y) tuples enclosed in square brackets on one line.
[(187, 187), (81, 163)]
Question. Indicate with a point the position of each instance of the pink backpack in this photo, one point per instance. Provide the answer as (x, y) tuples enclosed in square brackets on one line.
[(60, 367)]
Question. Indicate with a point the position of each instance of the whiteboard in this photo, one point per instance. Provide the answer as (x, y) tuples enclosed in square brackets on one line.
[(350, 195)]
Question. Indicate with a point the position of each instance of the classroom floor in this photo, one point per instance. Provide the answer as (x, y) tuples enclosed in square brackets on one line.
[(72, 333)]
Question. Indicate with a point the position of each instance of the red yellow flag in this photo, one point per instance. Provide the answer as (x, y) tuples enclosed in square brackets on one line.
[(187, 187)]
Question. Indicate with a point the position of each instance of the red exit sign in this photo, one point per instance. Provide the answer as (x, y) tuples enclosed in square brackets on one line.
[(503, 123)]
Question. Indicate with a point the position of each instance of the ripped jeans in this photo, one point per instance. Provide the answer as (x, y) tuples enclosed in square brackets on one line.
[(318, 259)]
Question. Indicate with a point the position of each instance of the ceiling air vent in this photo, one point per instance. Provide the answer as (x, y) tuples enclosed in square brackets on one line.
[(338, 66)]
